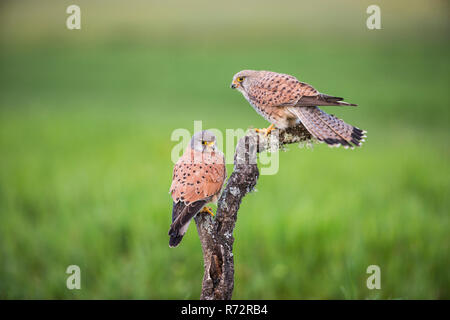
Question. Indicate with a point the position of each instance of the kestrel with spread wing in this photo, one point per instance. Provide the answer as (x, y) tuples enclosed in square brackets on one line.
[(286, 102), (198, 178)]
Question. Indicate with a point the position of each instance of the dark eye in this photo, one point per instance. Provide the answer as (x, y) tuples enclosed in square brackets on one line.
[(203, 142), (240, 79)]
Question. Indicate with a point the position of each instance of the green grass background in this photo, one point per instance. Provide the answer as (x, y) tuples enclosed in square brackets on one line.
[(85, 123)]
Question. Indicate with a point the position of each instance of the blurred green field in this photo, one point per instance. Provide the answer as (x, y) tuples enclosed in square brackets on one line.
[(85, 124)]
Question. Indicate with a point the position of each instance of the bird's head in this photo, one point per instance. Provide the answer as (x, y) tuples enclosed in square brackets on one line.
[(203, 141), (244, 79)]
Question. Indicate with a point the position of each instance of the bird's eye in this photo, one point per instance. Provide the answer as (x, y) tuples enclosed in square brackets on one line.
[(240, 79), (203, 142)]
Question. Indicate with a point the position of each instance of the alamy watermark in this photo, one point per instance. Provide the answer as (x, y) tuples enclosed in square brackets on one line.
[(227, 143), (74, 280), (374, 20), (374, 280), (74, 20)]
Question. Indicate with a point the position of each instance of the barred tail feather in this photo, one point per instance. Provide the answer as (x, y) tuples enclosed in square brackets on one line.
[(328, 128), (175, 240), (181, 217)]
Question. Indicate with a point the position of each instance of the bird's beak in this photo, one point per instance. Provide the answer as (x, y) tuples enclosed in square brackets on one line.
[(234, 84), (210, 146)]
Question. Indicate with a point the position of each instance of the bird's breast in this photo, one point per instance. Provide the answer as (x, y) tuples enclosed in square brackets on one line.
[(274, 114)]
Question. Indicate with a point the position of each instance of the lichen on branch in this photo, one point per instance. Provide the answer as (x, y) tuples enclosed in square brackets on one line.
[(216, 235)]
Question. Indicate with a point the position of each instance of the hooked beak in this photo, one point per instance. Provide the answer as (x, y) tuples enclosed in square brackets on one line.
[(234, 84), (210, 146)]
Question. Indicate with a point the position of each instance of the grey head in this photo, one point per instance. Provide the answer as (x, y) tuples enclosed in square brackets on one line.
[(203, 141), (244, 79)]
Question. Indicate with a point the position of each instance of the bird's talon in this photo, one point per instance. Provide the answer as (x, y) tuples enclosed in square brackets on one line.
[(266, 131), (208, 210)]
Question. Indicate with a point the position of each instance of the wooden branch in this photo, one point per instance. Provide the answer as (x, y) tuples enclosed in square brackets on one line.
[(216, 234)]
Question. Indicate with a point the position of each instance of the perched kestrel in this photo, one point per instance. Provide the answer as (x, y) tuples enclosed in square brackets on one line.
[(198, 178), (286, 102)]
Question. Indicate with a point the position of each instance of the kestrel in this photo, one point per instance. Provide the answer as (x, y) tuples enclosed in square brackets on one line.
[(285, 102), (198, 178)]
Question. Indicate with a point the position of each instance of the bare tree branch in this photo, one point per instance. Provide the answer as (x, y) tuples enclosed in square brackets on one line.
[(216, 234)]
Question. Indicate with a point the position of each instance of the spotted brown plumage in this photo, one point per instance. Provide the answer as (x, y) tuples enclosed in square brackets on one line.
[(198, 177), (286, 102)]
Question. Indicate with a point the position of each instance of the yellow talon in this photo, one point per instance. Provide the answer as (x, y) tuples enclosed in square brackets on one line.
[(266, 130), (208, 210)]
